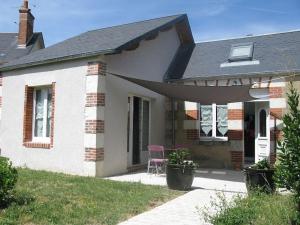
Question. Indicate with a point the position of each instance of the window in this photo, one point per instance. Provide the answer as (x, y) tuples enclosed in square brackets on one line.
[(42, 114), (144, 124), (213, 122), (263, 123), (241, 52)]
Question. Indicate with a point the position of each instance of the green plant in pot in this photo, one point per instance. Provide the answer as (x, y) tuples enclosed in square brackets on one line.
[(259, 177), (180, 170)]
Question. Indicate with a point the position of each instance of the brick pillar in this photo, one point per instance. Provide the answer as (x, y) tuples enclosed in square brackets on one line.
[(191, 121), (235, 134), (94, 118)]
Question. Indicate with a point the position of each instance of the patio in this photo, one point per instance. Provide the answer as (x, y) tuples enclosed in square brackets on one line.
[(186, 209)]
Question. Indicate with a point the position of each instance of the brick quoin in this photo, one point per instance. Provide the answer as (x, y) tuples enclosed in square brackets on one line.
[(94, 154), (95, 99), (52, 115), (272, 158), (192, 134), (191, 114), (235, 134), (28, 110), (237, 159), (277, 113), (96, 68), (276, 92), (279, 135), (94, 126), (235, 114)]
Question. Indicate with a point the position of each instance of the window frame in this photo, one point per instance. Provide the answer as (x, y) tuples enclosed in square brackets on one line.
[(241, 57), (214, 136), (44, 138)]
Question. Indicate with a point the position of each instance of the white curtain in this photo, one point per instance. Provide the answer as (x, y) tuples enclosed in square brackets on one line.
[(222, 125), (39, 114), (206, 119)]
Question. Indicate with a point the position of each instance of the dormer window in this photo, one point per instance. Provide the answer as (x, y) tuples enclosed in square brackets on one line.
[(241, 52)]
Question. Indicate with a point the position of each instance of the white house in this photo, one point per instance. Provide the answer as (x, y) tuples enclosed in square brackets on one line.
[(63, 110)]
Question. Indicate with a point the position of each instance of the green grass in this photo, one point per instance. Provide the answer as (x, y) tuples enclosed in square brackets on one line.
[(52, 198), (256, 209)]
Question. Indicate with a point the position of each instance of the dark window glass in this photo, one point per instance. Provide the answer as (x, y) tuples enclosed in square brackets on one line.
[(263, 123)]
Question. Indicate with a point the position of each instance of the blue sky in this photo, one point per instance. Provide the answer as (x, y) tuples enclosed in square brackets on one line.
[(209, 19)]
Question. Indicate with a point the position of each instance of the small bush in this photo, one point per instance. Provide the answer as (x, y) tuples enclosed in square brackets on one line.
[(256, 209), (8, 179)]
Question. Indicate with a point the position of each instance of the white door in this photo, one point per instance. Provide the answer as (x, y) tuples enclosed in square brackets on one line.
[(262, 131)]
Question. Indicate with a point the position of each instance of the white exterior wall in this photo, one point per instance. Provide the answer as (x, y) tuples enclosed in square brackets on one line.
[(149, 61), (67, 154)]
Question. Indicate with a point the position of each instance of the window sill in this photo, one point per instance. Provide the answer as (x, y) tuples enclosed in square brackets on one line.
[(37, 145), (213, 139)]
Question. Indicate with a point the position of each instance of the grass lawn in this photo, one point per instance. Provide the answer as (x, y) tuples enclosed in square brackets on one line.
[(257, 209), (52, 198)]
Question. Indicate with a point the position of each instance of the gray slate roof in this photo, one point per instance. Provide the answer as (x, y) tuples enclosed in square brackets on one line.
[(102, 41), (9, 46), (276, 53)]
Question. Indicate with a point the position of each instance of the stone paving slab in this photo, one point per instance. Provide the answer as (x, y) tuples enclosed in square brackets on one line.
[(186, 209)]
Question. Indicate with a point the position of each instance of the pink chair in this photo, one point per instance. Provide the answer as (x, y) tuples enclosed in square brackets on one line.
[(156, 157)]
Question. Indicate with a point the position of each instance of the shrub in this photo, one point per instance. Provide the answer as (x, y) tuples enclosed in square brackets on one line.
[(288, 167), (8, 179), (262, 165), (256, 209)]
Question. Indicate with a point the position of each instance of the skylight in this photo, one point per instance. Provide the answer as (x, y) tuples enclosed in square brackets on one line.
[(241, 52)]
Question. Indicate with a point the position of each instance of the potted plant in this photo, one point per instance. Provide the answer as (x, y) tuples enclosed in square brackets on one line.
[(260, 177), (180, 171)]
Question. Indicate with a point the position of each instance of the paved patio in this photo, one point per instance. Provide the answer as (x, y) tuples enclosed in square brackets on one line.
[(186, 209)]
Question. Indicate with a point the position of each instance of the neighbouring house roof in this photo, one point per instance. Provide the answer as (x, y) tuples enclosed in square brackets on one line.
[(272, 54), (105, 41), (9, 46)]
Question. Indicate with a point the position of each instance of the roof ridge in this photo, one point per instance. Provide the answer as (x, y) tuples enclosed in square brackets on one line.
[(139, 21), (252, 36)]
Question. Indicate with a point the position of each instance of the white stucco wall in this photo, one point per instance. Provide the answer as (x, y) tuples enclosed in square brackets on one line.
[(149, 61), (67, 155)]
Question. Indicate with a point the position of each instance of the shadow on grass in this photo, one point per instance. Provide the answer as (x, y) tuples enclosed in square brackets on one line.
[(19, 198)]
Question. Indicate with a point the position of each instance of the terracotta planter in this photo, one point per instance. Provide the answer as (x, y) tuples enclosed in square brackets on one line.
[(259, 179), (180, 177)]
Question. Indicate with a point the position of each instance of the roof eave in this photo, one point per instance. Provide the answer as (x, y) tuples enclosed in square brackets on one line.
[(246, 75), (55, 60), (182, 18)]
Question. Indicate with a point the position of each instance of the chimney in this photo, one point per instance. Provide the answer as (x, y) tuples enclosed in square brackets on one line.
[(25, 25)]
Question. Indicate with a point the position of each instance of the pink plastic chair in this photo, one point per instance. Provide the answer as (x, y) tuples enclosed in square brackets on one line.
[(156, 157)]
